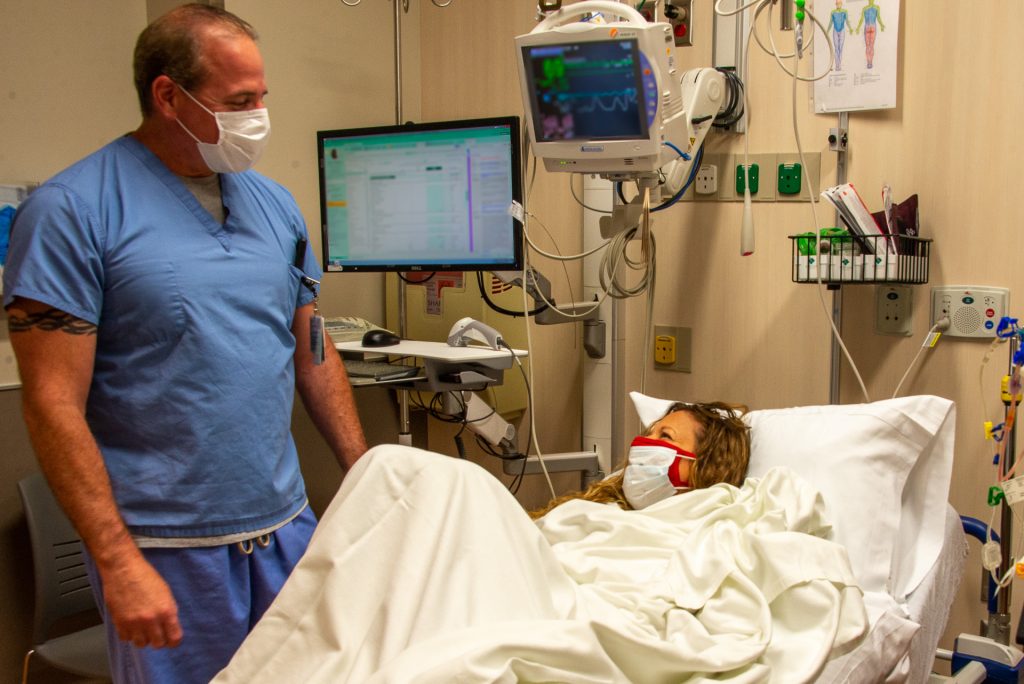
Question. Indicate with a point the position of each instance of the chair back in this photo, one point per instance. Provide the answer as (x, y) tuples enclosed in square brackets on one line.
[(62, 585)]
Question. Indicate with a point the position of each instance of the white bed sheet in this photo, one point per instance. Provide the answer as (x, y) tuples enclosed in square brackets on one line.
[(424, 569), (902, 643), (930, 604)]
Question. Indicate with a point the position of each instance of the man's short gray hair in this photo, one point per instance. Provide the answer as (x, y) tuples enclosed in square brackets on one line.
[(172, 46)]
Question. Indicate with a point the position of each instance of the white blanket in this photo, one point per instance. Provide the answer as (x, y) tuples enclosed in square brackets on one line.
[(425, 569)]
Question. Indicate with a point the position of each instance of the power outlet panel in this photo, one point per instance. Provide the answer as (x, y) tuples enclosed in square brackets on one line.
[(706, 181), (729, 166), (894, 310), (762, 191), (790, 179), (664, 350), (711, 180), (751, 174), (810, 172), (672, 348), (973, 310)]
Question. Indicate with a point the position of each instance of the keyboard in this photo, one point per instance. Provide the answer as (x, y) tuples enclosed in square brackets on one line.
[(379, 370), (348, 328)]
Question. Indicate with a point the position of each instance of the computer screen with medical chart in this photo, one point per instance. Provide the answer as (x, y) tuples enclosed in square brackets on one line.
[(422, 197)]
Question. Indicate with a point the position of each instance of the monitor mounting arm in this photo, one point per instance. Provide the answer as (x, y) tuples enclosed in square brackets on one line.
[(539, 289)]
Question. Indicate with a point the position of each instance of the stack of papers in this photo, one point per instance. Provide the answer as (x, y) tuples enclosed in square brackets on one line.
[(858, 219)]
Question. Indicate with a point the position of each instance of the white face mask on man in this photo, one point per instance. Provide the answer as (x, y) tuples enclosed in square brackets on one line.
[(241, 140), (652, 471)]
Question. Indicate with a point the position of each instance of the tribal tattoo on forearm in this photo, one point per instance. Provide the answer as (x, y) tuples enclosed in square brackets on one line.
[(50, 320)]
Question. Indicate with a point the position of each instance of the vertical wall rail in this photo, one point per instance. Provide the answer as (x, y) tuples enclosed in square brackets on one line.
[(837, 294)]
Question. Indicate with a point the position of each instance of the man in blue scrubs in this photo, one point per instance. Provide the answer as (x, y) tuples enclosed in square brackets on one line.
[(159, 297)]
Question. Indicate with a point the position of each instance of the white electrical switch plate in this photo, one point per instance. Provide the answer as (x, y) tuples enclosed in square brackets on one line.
[(973, 310)]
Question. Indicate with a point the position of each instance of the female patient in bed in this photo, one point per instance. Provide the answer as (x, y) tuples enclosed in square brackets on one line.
[(690, 446), (425, 569)]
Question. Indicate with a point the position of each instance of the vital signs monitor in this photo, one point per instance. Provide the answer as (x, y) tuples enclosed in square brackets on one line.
[(602, 97)]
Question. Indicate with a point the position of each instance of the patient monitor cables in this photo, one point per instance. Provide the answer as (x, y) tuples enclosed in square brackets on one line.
[(612, 283), (747, 223), (746, 230), (529, 390), (813, 194), (615, 253), (682, 189), (930, 340)]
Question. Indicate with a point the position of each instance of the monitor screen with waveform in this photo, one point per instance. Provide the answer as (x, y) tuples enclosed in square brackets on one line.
[(587, 91), (438, 196)]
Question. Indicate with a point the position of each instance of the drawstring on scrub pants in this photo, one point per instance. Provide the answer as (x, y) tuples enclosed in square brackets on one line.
[(262, 541)]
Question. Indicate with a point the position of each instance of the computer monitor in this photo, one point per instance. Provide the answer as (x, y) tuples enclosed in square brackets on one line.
[(422, 197)]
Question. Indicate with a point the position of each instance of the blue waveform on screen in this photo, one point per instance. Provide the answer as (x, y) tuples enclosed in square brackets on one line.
[(612, 101)]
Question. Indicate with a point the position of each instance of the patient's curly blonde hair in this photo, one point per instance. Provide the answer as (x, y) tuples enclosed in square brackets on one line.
[(723, 452)]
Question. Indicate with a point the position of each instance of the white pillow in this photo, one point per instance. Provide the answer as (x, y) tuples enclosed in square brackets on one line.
[(883, 469)]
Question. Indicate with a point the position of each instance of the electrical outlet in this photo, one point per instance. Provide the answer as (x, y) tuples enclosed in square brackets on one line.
[(706, 181), (792, 184), (665, 349), (672, 348), (709, 182), (893, 310)]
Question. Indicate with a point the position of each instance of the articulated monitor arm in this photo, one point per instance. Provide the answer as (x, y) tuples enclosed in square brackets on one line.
[(703, 92), (539, 289)]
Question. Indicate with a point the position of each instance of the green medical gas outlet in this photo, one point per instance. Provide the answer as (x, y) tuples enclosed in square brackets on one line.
[(754, 176), (790, 178)]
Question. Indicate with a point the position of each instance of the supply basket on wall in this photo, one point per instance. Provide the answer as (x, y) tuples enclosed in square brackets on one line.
[(847, 259)]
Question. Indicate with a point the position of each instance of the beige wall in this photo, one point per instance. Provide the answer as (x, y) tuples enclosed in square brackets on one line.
[(758, 338), (66, 89)]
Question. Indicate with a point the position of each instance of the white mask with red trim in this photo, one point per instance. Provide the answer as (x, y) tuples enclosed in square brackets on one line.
[(652, 471)]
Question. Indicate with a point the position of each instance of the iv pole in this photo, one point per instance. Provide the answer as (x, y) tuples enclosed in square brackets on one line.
[(404, 432)]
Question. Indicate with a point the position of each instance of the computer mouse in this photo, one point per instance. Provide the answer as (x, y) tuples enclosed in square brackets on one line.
[(380, 338)]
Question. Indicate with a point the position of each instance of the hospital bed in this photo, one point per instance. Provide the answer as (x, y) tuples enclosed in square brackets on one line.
[(884, 471), (420, 571)]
